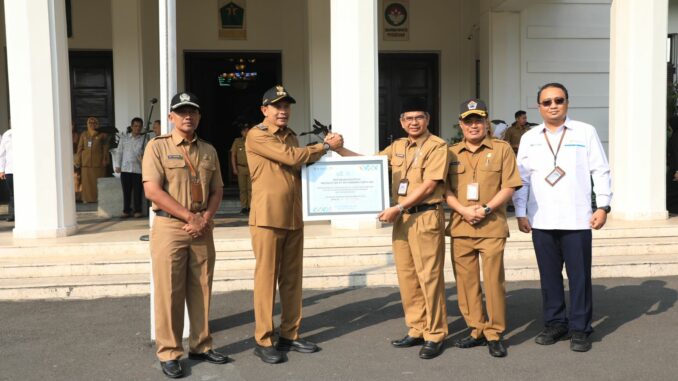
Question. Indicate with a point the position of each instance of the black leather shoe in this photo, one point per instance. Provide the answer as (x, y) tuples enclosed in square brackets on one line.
[(172, 368), (470, 342), (269, 355), (407, 341), (210, 356), (551, 335), (299, 345), (496, 348), (430, 350), (580, 342)]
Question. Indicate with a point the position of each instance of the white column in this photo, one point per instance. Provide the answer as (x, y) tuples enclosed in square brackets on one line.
[(319, 60), (168, 87), (39, 87), (637, 110), (4, 94), (127, 61), (505, 98), (355, 81)]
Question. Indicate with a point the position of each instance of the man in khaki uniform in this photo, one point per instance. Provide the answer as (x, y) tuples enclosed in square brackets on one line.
[(240, 169), (275, 158), (482, 177), (419, 165), (513, 134), (182, 178)]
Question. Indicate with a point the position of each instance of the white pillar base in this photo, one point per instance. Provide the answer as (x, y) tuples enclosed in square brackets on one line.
[(45, 233)]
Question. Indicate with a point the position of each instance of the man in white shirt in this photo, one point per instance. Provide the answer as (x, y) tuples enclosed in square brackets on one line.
[(557, 161), (7, 170), (128, 164)]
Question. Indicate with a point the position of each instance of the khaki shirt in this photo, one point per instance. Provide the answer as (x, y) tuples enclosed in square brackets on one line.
[(239, 148), (275, 158), (427, 159), (513, 134), (92, 150), (495, 169), (164, 164)]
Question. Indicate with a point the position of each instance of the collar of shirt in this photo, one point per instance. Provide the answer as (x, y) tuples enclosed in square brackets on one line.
[(418, 141), (178, 139), (487, 142), (568, 124)]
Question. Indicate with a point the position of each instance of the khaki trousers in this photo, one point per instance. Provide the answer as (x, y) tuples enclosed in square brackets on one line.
[(465, 252), (419, 253), (89, 177), (279, 261), (244, 187), (183, 268)]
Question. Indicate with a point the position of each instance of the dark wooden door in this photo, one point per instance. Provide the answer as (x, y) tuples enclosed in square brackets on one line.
[(91, 88), (403, 76), (223, 101)]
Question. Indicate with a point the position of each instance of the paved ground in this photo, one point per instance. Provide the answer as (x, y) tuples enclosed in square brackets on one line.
[(636, 322)]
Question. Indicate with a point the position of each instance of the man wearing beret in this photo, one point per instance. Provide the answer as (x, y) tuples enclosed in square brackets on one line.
[(274, 159), (419, 164), (483, 176), (181, 177)]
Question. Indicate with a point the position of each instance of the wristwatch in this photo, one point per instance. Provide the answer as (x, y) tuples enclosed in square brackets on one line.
[(326, 147), (487, 209), (606, 209)]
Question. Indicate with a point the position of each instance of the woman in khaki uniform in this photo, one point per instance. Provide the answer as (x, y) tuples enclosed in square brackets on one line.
[(92, 158)]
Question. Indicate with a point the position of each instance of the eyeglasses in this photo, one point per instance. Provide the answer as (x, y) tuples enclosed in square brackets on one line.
[(418, 118), (558, 101)]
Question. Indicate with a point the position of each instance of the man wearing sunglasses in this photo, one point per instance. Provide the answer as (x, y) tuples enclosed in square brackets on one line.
[(557, 160)]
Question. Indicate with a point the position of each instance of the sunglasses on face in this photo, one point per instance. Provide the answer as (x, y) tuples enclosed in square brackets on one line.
[(547, 102)]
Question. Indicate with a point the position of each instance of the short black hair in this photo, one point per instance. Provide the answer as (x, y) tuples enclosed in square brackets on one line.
[(156, 121), (519, 113), (552, 84), (137, 119)]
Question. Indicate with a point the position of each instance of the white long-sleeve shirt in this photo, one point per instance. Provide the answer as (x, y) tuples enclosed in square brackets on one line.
[(130, 149), (6, 160), (567, 204)]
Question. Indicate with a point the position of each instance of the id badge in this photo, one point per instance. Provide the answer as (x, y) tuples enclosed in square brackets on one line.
[(555, 176), (196, 191), (402, 187), (472, 192), (89, 144)]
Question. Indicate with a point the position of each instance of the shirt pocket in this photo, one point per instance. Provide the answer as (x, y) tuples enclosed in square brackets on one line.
[(174, 170), (206, 170)]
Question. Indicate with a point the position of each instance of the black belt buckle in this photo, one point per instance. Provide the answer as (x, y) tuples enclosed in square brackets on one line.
[(162, 213), (421, 208)]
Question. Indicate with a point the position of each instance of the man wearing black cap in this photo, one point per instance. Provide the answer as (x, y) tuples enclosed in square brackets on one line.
[(274, 159), (483, 175), (419, 165), (182, 178)]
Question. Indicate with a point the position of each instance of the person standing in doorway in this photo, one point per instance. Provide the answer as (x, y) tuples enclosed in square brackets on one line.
[(7, 169), (92, 158), (128, 164), (240, 169)]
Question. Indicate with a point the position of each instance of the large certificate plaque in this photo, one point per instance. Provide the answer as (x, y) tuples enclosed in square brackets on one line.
[(345, 187)]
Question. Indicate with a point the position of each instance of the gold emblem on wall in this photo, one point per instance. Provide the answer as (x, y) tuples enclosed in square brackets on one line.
[(232, 19)]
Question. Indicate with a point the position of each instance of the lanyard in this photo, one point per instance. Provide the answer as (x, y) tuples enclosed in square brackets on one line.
[(473, 166), (190, 165), (555, 154), (416, 155)]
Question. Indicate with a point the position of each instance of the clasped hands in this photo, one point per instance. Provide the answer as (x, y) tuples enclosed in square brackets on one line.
[(473, 214), (197, 224), (335, 141)]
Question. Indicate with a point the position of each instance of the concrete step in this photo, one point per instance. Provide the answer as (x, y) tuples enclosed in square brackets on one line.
[(97, 286), (138, 263)]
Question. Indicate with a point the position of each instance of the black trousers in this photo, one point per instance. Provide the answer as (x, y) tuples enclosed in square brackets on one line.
[(9, 178), (572, 247), (132, 190)]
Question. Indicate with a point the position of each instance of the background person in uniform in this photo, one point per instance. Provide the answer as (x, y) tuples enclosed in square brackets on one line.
[(7, 169), (513, 134), (182, 179), (557, 160), (240, 169), (128, 164), (419, 165), (92, 158), (275, 158), (482, 177)]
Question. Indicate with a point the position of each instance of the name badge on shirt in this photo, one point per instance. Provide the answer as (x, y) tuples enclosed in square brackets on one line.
[(472, 192), (178, 157), (555, 176), (402, 187), (89, 143)]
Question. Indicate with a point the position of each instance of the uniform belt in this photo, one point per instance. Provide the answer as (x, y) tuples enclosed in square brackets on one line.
[(162, 213), (421, 208)]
